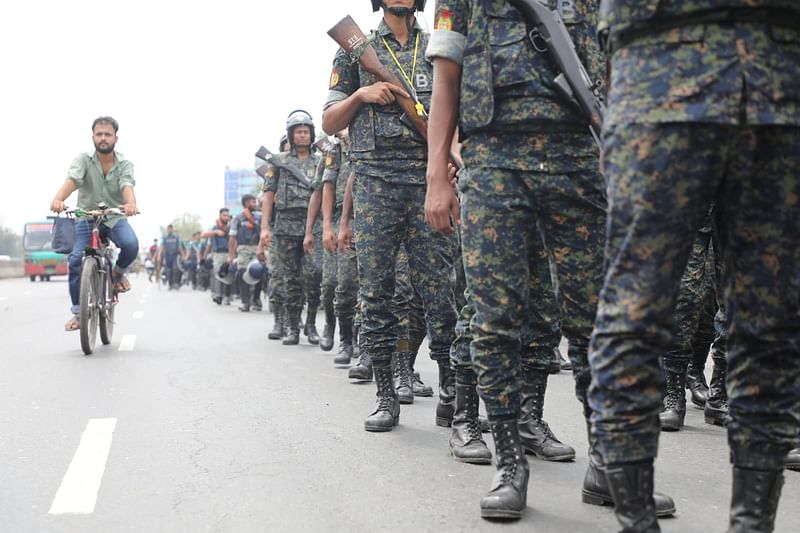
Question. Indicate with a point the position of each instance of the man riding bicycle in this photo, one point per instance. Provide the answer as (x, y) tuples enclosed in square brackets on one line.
[(104, 177)]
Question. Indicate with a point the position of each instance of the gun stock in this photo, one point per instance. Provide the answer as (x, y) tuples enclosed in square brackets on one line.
[(262, 171), (263, 154), (349, 36)]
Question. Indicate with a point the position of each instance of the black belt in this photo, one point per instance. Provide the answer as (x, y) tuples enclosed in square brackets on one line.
[(612, 41)]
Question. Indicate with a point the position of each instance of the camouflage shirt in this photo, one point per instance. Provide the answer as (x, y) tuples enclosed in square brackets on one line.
[(506, 85), (381, 145), (337, 170), (510, 115), (291, 194), (742, 73)]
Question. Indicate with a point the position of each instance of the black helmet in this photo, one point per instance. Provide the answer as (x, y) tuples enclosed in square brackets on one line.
[(419, 5), (299, 117)]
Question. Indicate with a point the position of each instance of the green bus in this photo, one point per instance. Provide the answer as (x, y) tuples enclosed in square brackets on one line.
[(40, 259)]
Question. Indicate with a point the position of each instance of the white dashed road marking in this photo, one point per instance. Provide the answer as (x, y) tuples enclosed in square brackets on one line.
[(138, 314), (78, 491), (127, 343)]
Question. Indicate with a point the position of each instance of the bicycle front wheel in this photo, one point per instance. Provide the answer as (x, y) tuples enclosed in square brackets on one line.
[(90, 311), (108, 303)]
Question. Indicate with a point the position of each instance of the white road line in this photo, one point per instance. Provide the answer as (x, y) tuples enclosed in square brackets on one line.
[(78, 491), (127, 343), (138, 314)]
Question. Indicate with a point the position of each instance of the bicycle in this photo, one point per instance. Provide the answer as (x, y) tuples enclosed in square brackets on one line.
[(97, 295)]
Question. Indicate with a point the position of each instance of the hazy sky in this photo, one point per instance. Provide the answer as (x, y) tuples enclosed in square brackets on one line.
[(194, 85)]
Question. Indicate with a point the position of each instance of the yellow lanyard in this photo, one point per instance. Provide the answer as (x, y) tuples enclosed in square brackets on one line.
[(419, 107)]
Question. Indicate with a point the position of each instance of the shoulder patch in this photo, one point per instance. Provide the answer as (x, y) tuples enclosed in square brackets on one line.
[(334, 81), (444, 19)]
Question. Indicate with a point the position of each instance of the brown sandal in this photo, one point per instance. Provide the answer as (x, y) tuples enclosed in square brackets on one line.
[(73, 324), (122, 284)]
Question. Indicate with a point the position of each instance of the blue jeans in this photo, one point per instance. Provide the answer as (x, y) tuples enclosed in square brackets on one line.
[(121, 234)]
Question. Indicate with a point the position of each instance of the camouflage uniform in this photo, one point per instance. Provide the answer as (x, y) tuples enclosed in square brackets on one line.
[(529, 161), (389, 162), (388, 195), (336, 172), (700, 111), (291, 206)]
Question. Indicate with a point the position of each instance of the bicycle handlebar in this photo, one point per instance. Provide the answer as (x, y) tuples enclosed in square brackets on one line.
[(80, 213)]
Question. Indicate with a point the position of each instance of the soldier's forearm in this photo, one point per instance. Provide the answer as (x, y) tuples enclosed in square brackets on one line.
[(443, 114), (338, 116)]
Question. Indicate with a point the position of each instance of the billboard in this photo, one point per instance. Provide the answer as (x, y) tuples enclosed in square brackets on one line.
[(238, 182)]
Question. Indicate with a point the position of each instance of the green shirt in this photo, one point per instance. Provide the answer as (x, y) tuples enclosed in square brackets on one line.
[(94, 188)]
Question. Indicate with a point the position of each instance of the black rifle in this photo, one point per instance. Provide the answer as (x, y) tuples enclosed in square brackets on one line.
[(550, 36), (269, 157)]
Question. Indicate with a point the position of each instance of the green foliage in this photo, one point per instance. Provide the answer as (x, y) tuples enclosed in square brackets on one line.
[(185, 225), (10, 243)]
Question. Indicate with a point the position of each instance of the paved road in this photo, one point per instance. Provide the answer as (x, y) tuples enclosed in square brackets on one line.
[(206, 426)]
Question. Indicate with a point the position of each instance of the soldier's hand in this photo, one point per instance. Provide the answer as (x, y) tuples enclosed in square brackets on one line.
[(442, 211), (308, 244), (229, 260), (329, 240), (381, 93), (345, 237), (260, 254), (266, 238), (57, 206)]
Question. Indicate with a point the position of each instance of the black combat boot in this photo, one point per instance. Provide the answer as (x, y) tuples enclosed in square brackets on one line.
[(362, 370), (387, 409), (696, 383), (420, 389), (402, 377), (716, 409), (244, 294), (793, 460), (508, 496), (293, 326), (534, 433), (754, 500), (326, 341), (447, 395), (345, 342), (595, 487), (311, 325), (672, 416), (466, 442), (278, 329), (631, 485)]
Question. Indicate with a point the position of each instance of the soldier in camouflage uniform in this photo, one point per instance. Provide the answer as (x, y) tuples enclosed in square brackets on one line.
[(242, 245), (316, 254), (388, 193), (531, 181), (277, 290), (289, 193), (334, 178), (702, 107)]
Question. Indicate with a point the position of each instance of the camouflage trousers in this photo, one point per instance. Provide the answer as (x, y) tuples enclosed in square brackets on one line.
[(330, 267), (407, 305), (300, 272), (312, 272), (277, 285), (345, 302), (244, 254), (662, 178), (509, 218), (387, 216), (542, 333)]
